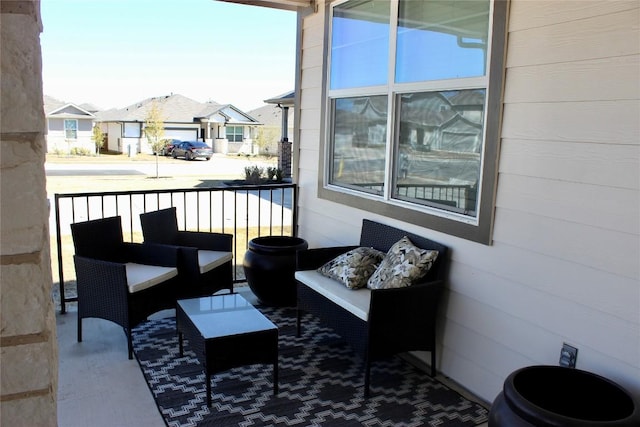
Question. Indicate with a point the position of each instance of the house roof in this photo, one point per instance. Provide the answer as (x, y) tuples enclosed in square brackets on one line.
[(55, 108), (270, 115), (176, 108), (89, 107), (51, 104)]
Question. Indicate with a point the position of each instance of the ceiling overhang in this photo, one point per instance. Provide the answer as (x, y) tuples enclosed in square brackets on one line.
[(284, 100), (276, 4)]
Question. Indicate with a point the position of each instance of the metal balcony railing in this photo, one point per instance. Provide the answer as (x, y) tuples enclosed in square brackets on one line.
[(246, 211), (461, 198)]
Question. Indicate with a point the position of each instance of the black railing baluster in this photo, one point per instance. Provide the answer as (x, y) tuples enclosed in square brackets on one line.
[(259, 216), (59, 245), (283, 198), (198, 212), (271, 212), (235, 231), (246, 219), (131, 217), (210, 211)]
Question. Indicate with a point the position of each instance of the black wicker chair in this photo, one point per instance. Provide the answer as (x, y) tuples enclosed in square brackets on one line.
[(205, 259), (399, 320), (120, 281)]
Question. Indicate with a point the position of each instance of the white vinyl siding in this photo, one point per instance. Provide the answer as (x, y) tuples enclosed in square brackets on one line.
[(564, 264)]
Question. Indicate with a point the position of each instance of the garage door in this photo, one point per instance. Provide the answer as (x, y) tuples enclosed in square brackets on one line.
[(181, 134)]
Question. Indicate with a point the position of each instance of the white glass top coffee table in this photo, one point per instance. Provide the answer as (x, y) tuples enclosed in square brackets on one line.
[(226, 331)]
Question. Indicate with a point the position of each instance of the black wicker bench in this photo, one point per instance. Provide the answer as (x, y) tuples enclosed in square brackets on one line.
[(376, 323)]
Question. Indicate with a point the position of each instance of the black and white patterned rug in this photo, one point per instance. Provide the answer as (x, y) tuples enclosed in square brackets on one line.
[(320, 384)]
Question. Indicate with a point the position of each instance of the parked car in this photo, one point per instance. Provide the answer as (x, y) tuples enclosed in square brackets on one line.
[(191, 150), (167, 148)]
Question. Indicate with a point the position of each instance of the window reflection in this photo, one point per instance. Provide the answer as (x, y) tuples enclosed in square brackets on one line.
[(441, 40), (71, 129), (439, 148), (359, 137), (360, 44)]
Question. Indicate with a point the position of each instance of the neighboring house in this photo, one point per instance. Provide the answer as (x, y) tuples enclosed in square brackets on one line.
[(537, 104), (69, 126), (224, 127), (271, 116)]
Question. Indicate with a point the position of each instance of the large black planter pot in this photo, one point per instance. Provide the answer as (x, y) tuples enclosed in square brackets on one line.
[(270, 265), (562, 397)]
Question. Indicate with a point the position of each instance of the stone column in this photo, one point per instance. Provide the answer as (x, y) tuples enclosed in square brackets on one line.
[(284, 157), (28, 346), (284, 145)]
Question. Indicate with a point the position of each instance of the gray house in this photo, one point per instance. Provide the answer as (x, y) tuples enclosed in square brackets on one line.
[(277, 117), (69, 126), (224, 127)]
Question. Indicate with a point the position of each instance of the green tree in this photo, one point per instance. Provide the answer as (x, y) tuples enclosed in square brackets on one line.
[(97, 137), (154, 129), (265, 137)]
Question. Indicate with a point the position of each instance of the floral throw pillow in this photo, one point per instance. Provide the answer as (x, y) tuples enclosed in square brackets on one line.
[(403, 265), (353, 268)]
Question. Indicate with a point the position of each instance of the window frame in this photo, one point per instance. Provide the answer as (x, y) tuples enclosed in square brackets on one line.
[(132, 129), (75, 130), (478, 229), (235, 134)]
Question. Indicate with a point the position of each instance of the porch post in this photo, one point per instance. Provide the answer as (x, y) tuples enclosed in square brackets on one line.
[(284, 145)]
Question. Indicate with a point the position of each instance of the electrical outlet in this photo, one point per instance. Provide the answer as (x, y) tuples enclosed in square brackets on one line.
[(568, 356)]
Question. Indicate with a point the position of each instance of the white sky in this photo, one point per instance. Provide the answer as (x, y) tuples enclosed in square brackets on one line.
[(113, 53)]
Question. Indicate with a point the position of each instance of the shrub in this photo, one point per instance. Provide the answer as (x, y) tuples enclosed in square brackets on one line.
[(258, 175), (253, 174), (80, 151), (275, 174)]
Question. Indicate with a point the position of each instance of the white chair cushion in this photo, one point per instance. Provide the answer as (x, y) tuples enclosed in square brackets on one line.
[(140, 276), (356, 301), (208, 260)]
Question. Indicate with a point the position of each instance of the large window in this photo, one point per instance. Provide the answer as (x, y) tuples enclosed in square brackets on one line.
[(234, 133), (412, 119), (132, 130), (70, 129)]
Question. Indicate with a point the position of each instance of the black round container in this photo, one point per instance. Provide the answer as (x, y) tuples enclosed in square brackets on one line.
[(269, 266), (562, 397)]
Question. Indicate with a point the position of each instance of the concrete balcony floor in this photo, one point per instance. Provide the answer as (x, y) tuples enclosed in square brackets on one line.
[(98, 385)]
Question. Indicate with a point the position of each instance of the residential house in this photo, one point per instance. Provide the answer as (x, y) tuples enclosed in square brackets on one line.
[(69, 126), (277, 118), (533, 108), (224, 127)]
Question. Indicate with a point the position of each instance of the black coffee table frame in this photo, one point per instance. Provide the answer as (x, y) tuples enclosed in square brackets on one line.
[(226, 331)]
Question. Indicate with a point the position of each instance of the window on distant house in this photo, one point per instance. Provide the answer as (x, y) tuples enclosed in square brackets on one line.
[(70, 129), (132, 130), (234, 133), (412, 119)]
